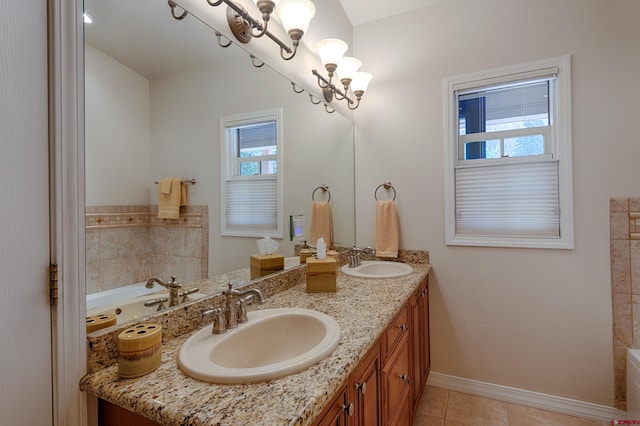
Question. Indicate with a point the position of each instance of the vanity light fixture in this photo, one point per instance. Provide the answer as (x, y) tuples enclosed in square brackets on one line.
[(295, 16), (331, 53)]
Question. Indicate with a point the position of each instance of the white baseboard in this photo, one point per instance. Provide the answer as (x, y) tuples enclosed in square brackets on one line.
[(543, 401)]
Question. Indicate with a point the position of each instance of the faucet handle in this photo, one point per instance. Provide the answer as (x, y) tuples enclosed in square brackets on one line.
[(242, 310), (185, 294), (160, 302), (219, 321)]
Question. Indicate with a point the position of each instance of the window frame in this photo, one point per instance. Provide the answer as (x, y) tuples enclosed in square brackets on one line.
[(560, 147), (230, 164)]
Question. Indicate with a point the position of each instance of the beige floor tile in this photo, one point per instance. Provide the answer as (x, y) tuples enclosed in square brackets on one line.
[(423, 419), (433, 401), (526, 416), (464, 409)]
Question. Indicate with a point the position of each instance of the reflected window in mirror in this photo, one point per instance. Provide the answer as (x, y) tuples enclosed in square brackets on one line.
[(252, 190)]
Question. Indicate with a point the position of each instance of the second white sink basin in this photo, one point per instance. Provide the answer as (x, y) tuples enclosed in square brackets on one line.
[(272, 344), (378, 269)]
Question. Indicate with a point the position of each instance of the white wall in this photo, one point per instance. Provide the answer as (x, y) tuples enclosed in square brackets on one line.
[(532, 319), (117, 132)]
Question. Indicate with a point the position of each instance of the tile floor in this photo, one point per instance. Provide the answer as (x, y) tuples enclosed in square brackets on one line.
[(442, 407)]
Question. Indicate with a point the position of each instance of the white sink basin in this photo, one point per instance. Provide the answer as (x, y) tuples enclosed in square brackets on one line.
[(134, 309), (378, 269), (272, 344)]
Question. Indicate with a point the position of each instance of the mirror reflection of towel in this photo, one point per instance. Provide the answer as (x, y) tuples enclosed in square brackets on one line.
[(321, 224), (387, 234), (171, 195)]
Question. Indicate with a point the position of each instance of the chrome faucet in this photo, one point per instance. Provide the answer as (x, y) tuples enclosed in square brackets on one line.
[(173, 287), (235, 310), (354, 255)]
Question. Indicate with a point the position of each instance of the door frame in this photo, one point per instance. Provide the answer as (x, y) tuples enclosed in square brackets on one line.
[(66, 189)]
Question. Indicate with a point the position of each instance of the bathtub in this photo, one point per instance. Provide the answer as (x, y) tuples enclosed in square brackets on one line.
[(128, 303), (633, 383), (116, 295)]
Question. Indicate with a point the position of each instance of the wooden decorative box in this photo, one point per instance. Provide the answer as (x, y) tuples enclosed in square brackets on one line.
[(265, 264), (321, 274), (139, 350)]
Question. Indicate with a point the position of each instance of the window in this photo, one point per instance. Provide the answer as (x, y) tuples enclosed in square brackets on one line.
[(251, 196), (508, 181)]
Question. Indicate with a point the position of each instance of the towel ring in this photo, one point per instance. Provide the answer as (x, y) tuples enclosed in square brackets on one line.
[(387, 186), (324, 188)]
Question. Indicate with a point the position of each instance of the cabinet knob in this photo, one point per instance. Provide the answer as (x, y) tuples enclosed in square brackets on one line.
[(404, 377), (349, 409), (403, 327), (362, 387)]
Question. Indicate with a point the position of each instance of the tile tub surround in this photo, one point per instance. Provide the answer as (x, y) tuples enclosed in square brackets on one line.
[(625, 287), (128, 244), (362, 307)]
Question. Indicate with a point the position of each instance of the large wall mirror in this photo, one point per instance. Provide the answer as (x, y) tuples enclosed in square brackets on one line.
[(155, 90)]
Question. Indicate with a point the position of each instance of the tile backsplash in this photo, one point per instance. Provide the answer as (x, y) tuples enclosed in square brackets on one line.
[(129, 244)]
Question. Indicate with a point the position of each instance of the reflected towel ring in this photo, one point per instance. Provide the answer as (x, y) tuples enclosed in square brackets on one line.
[(324, 188), (387, 186)]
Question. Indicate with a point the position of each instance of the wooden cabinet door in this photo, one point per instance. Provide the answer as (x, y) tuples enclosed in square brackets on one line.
[(397, 380), (365, 383), (112, 415), (419, 311), (424, 331), (403, 416), (337, 411), (416, 347)]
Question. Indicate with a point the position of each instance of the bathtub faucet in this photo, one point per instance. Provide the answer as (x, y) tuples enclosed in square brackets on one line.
[(173, 287)]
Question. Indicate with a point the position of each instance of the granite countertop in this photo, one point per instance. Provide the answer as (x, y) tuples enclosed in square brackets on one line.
[(362, 308)]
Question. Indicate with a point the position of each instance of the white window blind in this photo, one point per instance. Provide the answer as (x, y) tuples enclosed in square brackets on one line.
[(517, 199), (251, 196), (252, 204)]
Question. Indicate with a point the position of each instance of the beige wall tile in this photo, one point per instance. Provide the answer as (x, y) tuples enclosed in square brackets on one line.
[(619, 226), (620, 266), (619, 204), (622, 320)]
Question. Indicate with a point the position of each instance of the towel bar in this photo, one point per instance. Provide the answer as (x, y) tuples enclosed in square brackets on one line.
[(324, 188), (387, 185), (191, 181)]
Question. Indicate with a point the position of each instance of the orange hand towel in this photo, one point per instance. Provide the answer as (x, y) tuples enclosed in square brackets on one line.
[(171, 195), (321, 223), (387, 234)]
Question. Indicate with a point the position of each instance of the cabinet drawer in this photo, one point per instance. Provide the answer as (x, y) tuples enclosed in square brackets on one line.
[(397, 374), (395, 332)]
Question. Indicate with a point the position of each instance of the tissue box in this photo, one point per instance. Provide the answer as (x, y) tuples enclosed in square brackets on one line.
[(321, 274), (265, 264)]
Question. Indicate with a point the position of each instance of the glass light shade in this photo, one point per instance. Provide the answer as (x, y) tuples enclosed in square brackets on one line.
[(296, 14), (361, 81), (331, 50), (348, 67), (275, 2)]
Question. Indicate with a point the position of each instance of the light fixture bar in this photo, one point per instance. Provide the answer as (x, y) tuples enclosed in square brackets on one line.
[(242, 13), (294, 14), (327, 85)]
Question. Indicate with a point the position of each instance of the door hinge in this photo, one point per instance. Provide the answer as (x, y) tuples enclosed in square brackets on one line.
[(53, 284)]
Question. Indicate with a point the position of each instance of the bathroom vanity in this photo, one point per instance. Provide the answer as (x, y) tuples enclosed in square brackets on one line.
[(375, 376)]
